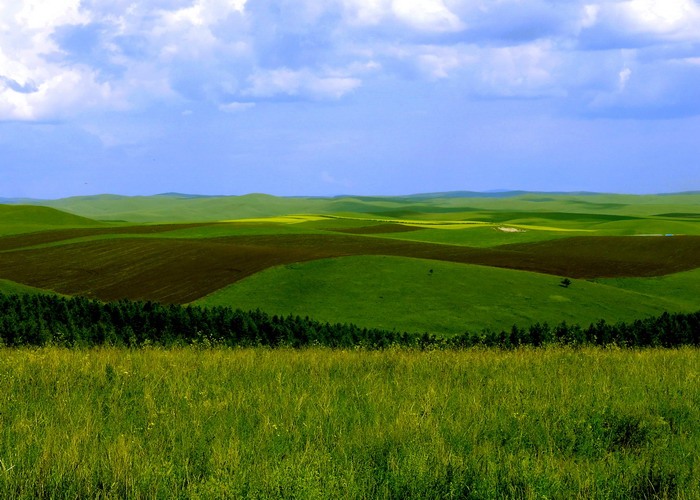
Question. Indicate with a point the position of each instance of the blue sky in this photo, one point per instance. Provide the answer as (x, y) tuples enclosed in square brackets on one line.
[(326, 97)]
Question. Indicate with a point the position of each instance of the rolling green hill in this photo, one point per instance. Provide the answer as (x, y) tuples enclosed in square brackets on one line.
[(403, 293), (27, 218)]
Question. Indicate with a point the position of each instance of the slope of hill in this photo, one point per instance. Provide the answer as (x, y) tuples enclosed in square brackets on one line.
[(26, 218), (438, 297)]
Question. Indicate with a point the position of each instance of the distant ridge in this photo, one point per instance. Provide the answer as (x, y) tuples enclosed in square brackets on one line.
[(189, 196), (184, 207), (682, 193), (495, 193), (41, 216)]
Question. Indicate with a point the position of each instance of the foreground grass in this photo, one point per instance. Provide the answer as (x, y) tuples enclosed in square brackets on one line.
[(318, 423)]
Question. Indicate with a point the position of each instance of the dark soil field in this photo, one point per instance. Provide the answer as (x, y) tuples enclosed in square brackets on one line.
[(183, 270)]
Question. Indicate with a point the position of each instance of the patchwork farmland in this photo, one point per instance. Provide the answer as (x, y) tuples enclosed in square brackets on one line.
[(209, 260)]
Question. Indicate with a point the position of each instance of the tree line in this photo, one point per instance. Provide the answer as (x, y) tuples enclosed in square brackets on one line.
[(36, 320)]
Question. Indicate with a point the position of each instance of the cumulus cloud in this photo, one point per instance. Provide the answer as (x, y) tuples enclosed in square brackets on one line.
[(641, 23), (67, 57)]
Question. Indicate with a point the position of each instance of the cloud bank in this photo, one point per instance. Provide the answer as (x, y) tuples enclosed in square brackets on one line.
[(635, 58)]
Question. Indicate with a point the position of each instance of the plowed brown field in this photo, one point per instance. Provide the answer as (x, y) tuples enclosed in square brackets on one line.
[(182, 270)]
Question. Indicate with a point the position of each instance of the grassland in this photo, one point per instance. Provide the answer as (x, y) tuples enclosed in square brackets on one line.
[(443, 297), (315, 423)]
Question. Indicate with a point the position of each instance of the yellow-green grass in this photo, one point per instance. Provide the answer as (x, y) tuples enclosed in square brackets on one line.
[(433, 223), (403, 294), (317, 423), (281, 219)]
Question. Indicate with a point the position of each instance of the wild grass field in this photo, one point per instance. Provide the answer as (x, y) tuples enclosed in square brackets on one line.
[(320, 423)]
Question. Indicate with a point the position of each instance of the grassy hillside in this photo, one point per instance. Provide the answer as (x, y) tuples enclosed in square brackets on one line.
[(681, 288), (402, 293), (16, 219)]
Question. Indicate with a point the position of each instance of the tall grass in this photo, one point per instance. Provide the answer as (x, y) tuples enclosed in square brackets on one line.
[(321, 423)]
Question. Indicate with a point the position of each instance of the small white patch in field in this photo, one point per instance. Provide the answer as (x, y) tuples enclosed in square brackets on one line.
[(510, 230)]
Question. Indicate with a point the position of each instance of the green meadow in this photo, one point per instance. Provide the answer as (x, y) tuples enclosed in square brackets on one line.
[(447, 298), (319, 423)]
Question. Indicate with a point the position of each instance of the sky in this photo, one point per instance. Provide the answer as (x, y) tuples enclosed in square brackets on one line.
[(366, 97)]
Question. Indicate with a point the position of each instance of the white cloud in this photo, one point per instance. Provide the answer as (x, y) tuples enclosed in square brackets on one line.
[(624, 78), (234, 107), (232, 51), (41, 16), (428, 15), (526, 71), (284, 81), (640, 23), (590, 15), (671, 18), (36, 86), (422, 15), (204, 12)]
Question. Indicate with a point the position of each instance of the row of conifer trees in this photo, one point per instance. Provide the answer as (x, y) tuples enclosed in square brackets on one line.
[(35, 320)]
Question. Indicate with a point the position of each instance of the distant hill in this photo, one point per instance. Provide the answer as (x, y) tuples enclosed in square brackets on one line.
[(496, 194), (180, 207), (45, 216)]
